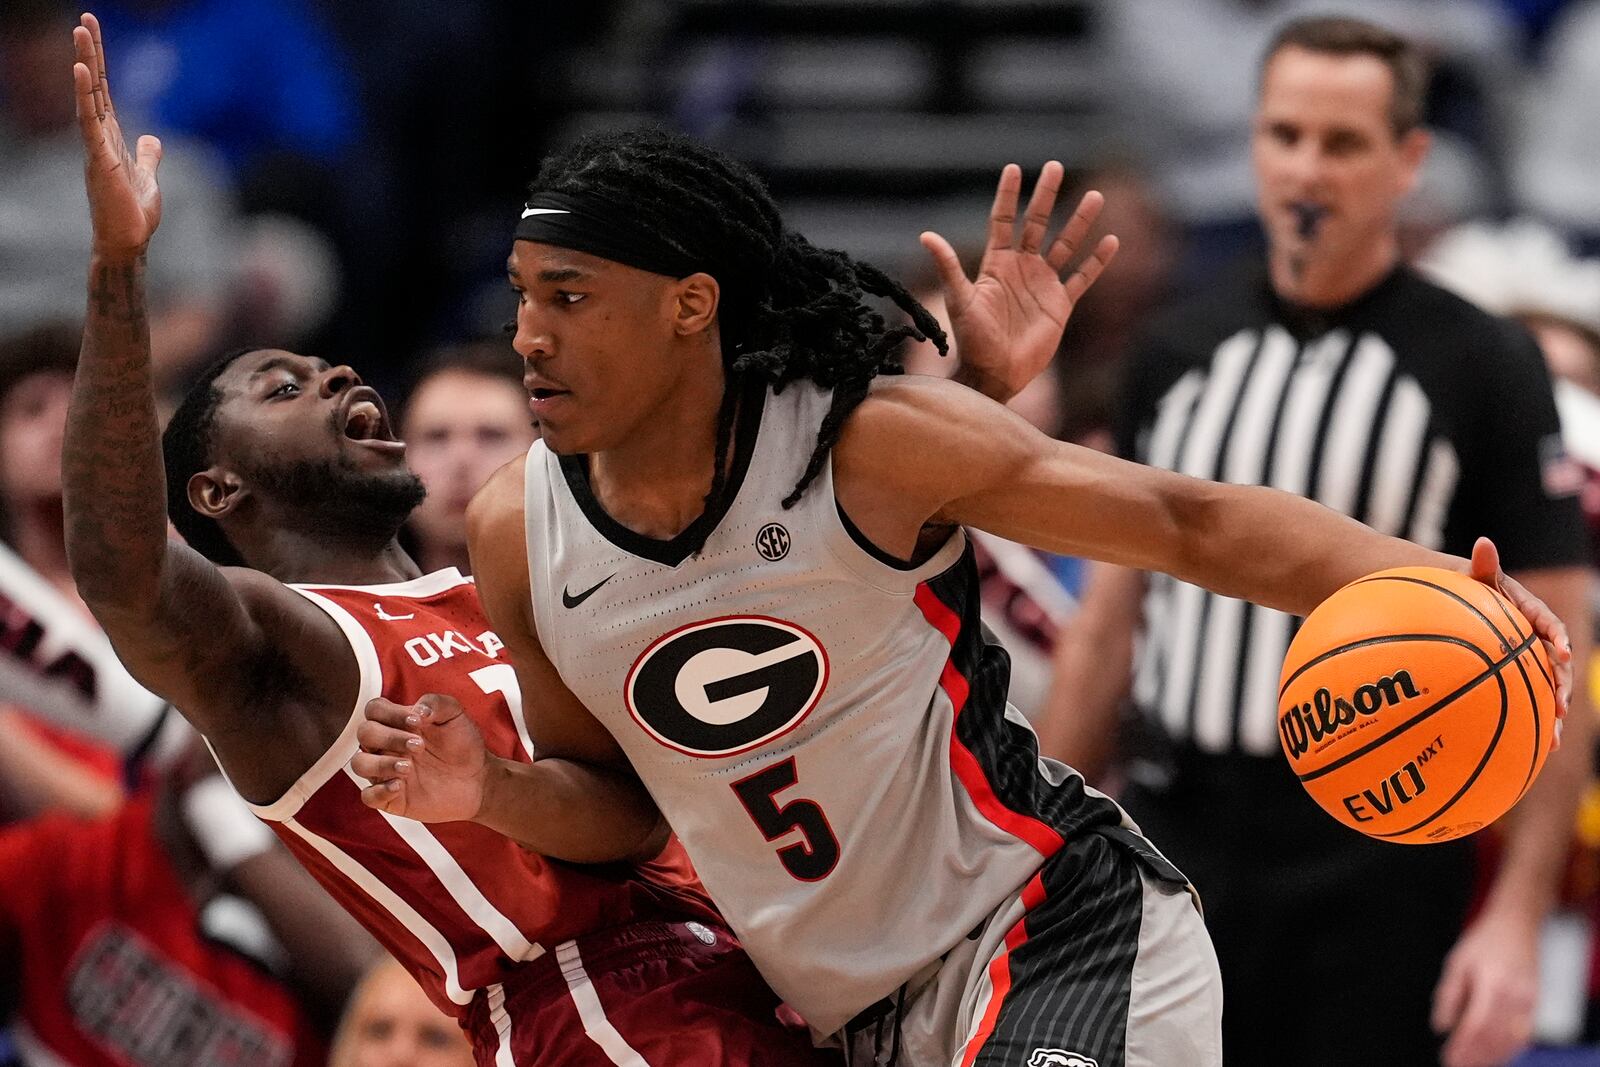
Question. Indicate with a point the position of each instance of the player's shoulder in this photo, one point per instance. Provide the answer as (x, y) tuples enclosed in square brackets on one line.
[(909, 404), (913, 430), (501, 502)]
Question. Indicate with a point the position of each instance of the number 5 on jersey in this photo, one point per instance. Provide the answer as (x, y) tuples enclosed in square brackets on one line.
[(810, 859)]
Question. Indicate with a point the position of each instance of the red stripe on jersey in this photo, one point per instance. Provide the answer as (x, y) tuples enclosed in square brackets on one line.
[(1000, 969), (484, 884), (966, 765)]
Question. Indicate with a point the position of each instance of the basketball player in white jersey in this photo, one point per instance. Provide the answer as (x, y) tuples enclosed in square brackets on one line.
[(735, 563), (292, 606)]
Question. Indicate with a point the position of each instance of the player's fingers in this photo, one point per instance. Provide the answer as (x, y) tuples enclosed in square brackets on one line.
[(1090, 270), (1043, 201), (1552, 632), (149, 153), (83, 92), (379, 768), (83, 49), (102, 82), (952, 279), (400, 716), (1486, 562), (385, 796), (1076, 230), (438, 708), (1003, 215), (379, 738)]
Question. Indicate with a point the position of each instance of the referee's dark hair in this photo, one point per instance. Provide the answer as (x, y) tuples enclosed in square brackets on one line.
[(1340, 36), (789, 311)]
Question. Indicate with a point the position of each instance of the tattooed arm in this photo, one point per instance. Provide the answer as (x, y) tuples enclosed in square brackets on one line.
[(184, 628)]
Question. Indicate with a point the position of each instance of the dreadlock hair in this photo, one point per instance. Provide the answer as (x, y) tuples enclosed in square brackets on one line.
[(186, 451), (789, 311)]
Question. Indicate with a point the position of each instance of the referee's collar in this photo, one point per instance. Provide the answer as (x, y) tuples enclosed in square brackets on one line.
[(1307, 322)]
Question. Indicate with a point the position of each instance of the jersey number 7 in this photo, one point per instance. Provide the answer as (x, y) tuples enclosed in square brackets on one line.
[(814, 857)]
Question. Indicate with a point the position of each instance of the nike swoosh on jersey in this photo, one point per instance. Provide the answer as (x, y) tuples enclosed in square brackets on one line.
[(570, 601)]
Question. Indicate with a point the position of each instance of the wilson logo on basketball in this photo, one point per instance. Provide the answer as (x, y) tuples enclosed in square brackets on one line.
[(1304, 725)]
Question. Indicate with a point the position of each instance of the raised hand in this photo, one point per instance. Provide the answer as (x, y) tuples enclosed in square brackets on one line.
[(426, 761), (1008, 321), (1551, 630), (124, 199)]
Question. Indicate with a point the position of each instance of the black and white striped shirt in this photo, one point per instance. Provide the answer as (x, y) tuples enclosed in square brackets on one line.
[(1408, 409)]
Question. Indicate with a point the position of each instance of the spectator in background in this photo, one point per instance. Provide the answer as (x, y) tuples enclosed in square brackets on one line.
[(44, 235), (173, 931), (465, 418), (1525, 270), (390, 1022), (1339, 374), (45, 631), (1558, 146)]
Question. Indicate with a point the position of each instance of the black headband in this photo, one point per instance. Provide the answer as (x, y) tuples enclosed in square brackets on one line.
[(601, 228)]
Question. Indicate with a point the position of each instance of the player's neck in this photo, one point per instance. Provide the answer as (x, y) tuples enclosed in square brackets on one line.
[(299, 559), (1301, 276), (656, 482), (440, 555)]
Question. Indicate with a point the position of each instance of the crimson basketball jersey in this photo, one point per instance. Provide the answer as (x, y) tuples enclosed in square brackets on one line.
[(464, 908)]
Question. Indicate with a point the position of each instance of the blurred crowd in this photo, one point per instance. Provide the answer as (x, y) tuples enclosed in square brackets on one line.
[(339, 179)]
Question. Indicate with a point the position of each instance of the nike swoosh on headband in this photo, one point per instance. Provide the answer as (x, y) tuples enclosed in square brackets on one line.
[(543, 211)]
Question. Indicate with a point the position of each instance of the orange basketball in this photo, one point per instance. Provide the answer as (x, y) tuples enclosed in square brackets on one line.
[(1416, 705)]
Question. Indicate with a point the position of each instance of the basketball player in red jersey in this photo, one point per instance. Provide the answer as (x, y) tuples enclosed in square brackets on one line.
[(285, 468), (735, 563)]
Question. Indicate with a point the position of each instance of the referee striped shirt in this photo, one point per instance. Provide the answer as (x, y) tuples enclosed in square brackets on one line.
[(1407, 409)]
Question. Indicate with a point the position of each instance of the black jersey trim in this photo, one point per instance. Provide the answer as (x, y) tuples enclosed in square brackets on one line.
[(672, 551), (1005, 751), (866, 544)]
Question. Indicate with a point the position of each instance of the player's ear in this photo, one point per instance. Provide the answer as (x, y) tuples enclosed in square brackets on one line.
[(215, 491), (694, 306)]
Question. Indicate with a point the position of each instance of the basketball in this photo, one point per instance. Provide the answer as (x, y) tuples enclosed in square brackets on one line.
[(1416, 705)]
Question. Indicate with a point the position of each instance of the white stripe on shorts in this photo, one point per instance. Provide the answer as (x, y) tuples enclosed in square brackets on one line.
[(501, 1021), (591, 1011)]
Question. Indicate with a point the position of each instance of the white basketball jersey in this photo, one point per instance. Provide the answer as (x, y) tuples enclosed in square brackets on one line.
[(826, 730)]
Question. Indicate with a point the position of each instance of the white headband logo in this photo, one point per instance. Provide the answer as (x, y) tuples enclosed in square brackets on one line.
[(543, 211)]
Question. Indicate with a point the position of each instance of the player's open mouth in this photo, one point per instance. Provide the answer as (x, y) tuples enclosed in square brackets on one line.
[(365, 421), (541, 398)]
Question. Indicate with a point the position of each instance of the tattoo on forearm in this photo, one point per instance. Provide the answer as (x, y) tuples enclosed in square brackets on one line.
[(111, 462)]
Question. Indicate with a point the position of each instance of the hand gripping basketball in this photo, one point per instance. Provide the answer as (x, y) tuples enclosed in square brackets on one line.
[(1419, 704), (424, 761), (1551, 630)]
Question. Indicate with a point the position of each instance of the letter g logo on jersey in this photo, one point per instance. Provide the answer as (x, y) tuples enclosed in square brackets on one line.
[(725, 686)]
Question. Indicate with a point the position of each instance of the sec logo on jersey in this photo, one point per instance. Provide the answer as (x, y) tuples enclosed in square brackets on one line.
[(724, 686)]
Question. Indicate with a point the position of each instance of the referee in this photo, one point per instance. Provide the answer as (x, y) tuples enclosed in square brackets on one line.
[(1335, 372)]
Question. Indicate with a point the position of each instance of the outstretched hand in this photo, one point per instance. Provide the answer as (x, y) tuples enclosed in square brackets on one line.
[(1008, 321), (425, 761), (1551, 630), (124, 199)]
